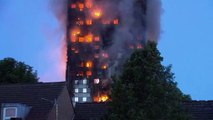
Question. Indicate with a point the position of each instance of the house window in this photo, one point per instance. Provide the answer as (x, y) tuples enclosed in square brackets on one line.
[(9, 112), (76, 90), (84, 90), (76, 99), (84, 81), (84, 99)]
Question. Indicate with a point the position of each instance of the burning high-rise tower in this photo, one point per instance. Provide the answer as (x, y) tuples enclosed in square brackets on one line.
[(101, 34)]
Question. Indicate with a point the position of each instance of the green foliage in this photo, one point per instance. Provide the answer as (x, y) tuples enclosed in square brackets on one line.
[(12, 71), (146, 89)]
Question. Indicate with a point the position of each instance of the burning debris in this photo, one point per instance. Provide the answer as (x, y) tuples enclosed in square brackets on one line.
[(101, 34)]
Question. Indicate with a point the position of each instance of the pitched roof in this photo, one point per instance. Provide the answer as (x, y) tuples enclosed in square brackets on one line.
[(39, 96), (88, 111), (200, 110)]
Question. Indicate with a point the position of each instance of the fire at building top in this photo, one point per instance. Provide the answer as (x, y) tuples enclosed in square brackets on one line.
[(101, 34)]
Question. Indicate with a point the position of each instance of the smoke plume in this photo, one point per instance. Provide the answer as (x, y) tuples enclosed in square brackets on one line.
[(57, 42), (154, 11)]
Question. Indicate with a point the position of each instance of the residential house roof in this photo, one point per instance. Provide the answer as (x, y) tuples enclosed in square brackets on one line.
[(88, 111), (200, 110), (39, 96)]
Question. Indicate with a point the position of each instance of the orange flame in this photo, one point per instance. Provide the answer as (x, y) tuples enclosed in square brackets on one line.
[(89, 73), (89, 38), (81, 39), (74, 33), (104, 67), (89, 64), (81, 6), (97, 13), (89, 22), (88, 4), (102, 98)]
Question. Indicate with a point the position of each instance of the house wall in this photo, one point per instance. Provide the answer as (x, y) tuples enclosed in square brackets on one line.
[(52, 114), (65, 107)]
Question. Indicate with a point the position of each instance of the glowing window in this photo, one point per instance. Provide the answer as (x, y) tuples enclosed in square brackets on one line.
[(9, 112), (84, 99), (84, 81), (76, 81), (76, 99), (76, 90), (84, 90), (81, 6)]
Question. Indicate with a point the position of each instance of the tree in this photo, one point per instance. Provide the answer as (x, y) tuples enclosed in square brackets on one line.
[(12, 71), (146, 89)]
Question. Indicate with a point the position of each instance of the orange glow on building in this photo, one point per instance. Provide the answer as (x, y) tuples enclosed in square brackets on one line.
[(89, 22), (73, 39), (81, 73), (104, 67), (89, 64), (89, 4), (76, 51), (102, 98), (97, 39), (81, 6), (139, 46), (89, 73), (80, 22), (89, 38), (72, 48), (116, 21), (73, 6), (97, 13), (75, 32), (81, 39)]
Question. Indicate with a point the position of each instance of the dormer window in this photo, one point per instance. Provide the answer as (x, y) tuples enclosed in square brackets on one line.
[(9, 112)]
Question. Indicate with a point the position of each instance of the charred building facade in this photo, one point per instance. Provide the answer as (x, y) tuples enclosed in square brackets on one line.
[(101, 34)]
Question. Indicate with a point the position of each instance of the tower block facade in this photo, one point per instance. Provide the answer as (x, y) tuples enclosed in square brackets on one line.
[(91, 28)]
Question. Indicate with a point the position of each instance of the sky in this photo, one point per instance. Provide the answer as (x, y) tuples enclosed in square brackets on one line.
[(30, 32)]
